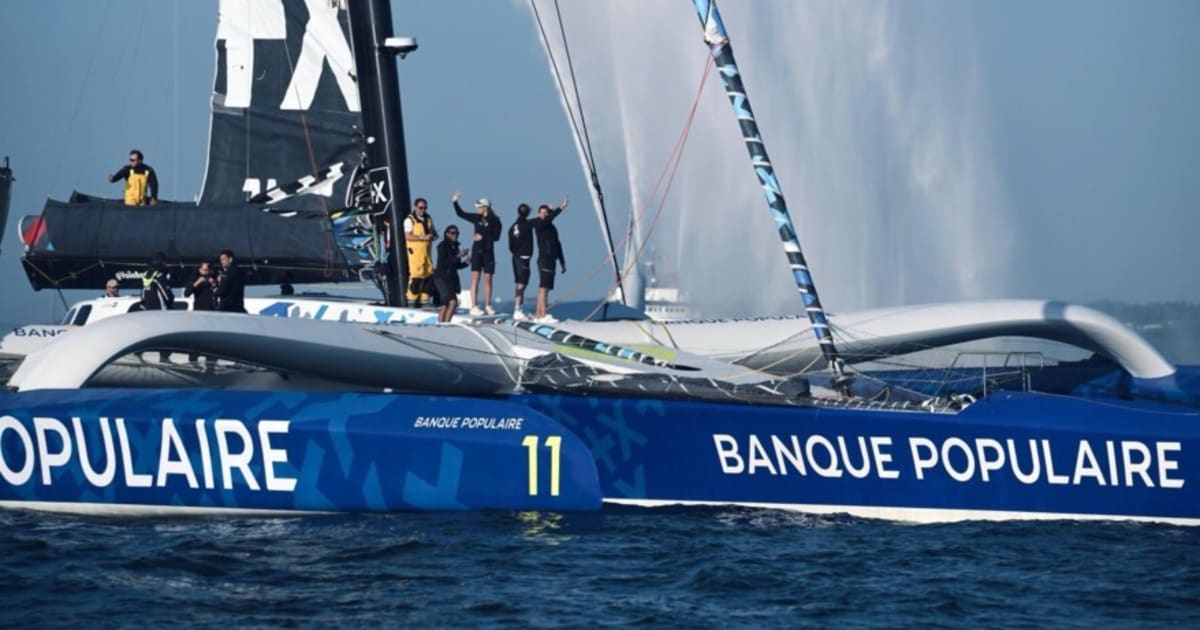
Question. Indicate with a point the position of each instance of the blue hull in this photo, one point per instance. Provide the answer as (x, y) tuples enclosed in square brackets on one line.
[(1012, 455)]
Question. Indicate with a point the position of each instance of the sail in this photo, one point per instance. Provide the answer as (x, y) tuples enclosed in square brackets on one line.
[(284, 141), (6, 178), (285, 105), (82, 243)]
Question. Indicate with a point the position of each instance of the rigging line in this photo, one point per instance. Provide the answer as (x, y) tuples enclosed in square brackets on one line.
[(312, 159), (558, 78), (562, 29), (581, 137), (578, 101), (175, 97), (70, 128), (674, 156), (678, 156)]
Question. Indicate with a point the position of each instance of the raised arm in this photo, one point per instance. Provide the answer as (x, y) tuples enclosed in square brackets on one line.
[(463, 214)]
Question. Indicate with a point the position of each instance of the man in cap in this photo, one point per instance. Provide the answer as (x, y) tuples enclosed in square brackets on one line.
[(483, 252)]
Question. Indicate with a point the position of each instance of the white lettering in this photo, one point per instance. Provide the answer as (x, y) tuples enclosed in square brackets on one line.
[(132, 479), (1035, 467), (1051, 476), (727, 451), (103, 479), (1086, 464), (167, 466), (863, 471), (1141, 467), (272, 456), (229, 460), (882, 458), (921, 464), (240, 22), (832, 469), (947, 461), (988, 464), (205, 455), (49, 460), (16, 477), (758, 456), (1165, 466), (792, 454), (323, 42)]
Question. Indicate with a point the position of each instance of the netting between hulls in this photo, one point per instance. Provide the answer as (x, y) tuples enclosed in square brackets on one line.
[(557, 373)]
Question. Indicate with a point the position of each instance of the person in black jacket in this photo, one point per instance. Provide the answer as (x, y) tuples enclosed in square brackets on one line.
[(483, 251), (231, 286), (520, 245), (156, 285), (202, 288), (445, 276), (550, 251)]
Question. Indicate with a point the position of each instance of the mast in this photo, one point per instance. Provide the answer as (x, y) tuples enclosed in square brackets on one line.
[(722, 52), (379, 91), (6, 179)]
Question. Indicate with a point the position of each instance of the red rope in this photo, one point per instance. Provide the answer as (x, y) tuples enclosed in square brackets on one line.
[(672, 167)]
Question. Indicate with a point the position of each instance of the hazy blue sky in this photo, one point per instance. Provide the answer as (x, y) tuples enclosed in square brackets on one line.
[(1087, 111)]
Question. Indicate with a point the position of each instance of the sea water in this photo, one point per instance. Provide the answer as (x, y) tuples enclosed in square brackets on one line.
[(704, 567)]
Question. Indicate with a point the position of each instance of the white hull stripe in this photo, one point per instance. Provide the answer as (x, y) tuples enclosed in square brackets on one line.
[(916, 515), (134, 509)]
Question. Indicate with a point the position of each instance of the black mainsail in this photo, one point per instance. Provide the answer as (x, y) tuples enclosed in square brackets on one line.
[(285, 142)]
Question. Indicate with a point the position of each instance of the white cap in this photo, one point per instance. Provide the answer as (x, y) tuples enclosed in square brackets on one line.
[(483, 203)]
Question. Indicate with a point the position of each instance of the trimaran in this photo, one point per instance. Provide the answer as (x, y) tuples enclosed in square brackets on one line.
[(321, 404)]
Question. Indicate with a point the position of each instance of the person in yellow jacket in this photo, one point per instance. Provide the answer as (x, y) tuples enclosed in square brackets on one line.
[(419, 234), (141, 184)]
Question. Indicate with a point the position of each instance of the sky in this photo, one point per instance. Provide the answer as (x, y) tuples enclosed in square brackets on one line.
[(930, 150)]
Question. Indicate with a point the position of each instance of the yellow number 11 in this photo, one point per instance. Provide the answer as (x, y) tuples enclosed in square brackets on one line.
[(554, 443)]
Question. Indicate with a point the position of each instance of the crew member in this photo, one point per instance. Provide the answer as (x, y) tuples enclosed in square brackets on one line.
[(449, 260), (550, 251), (202, 288), (156, 288), (231, 286), (483, 252), (419, 234), (112, 289), (520, 245), (141, 184)]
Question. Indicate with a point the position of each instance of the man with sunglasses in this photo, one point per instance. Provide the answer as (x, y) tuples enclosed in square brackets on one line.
[(141, 183), (419, 234)]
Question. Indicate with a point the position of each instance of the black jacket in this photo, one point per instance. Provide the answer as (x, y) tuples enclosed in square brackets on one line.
[(156, 290), (520, 237), (548, 245), (151, 177), (231, 290), (203, 297), (448, 262), (488, 227)]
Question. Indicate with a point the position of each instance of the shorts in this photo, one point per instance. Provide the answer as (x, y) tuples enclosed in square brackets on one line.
[(483, 259), (447, 287), (545, 275), (521, 269)]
